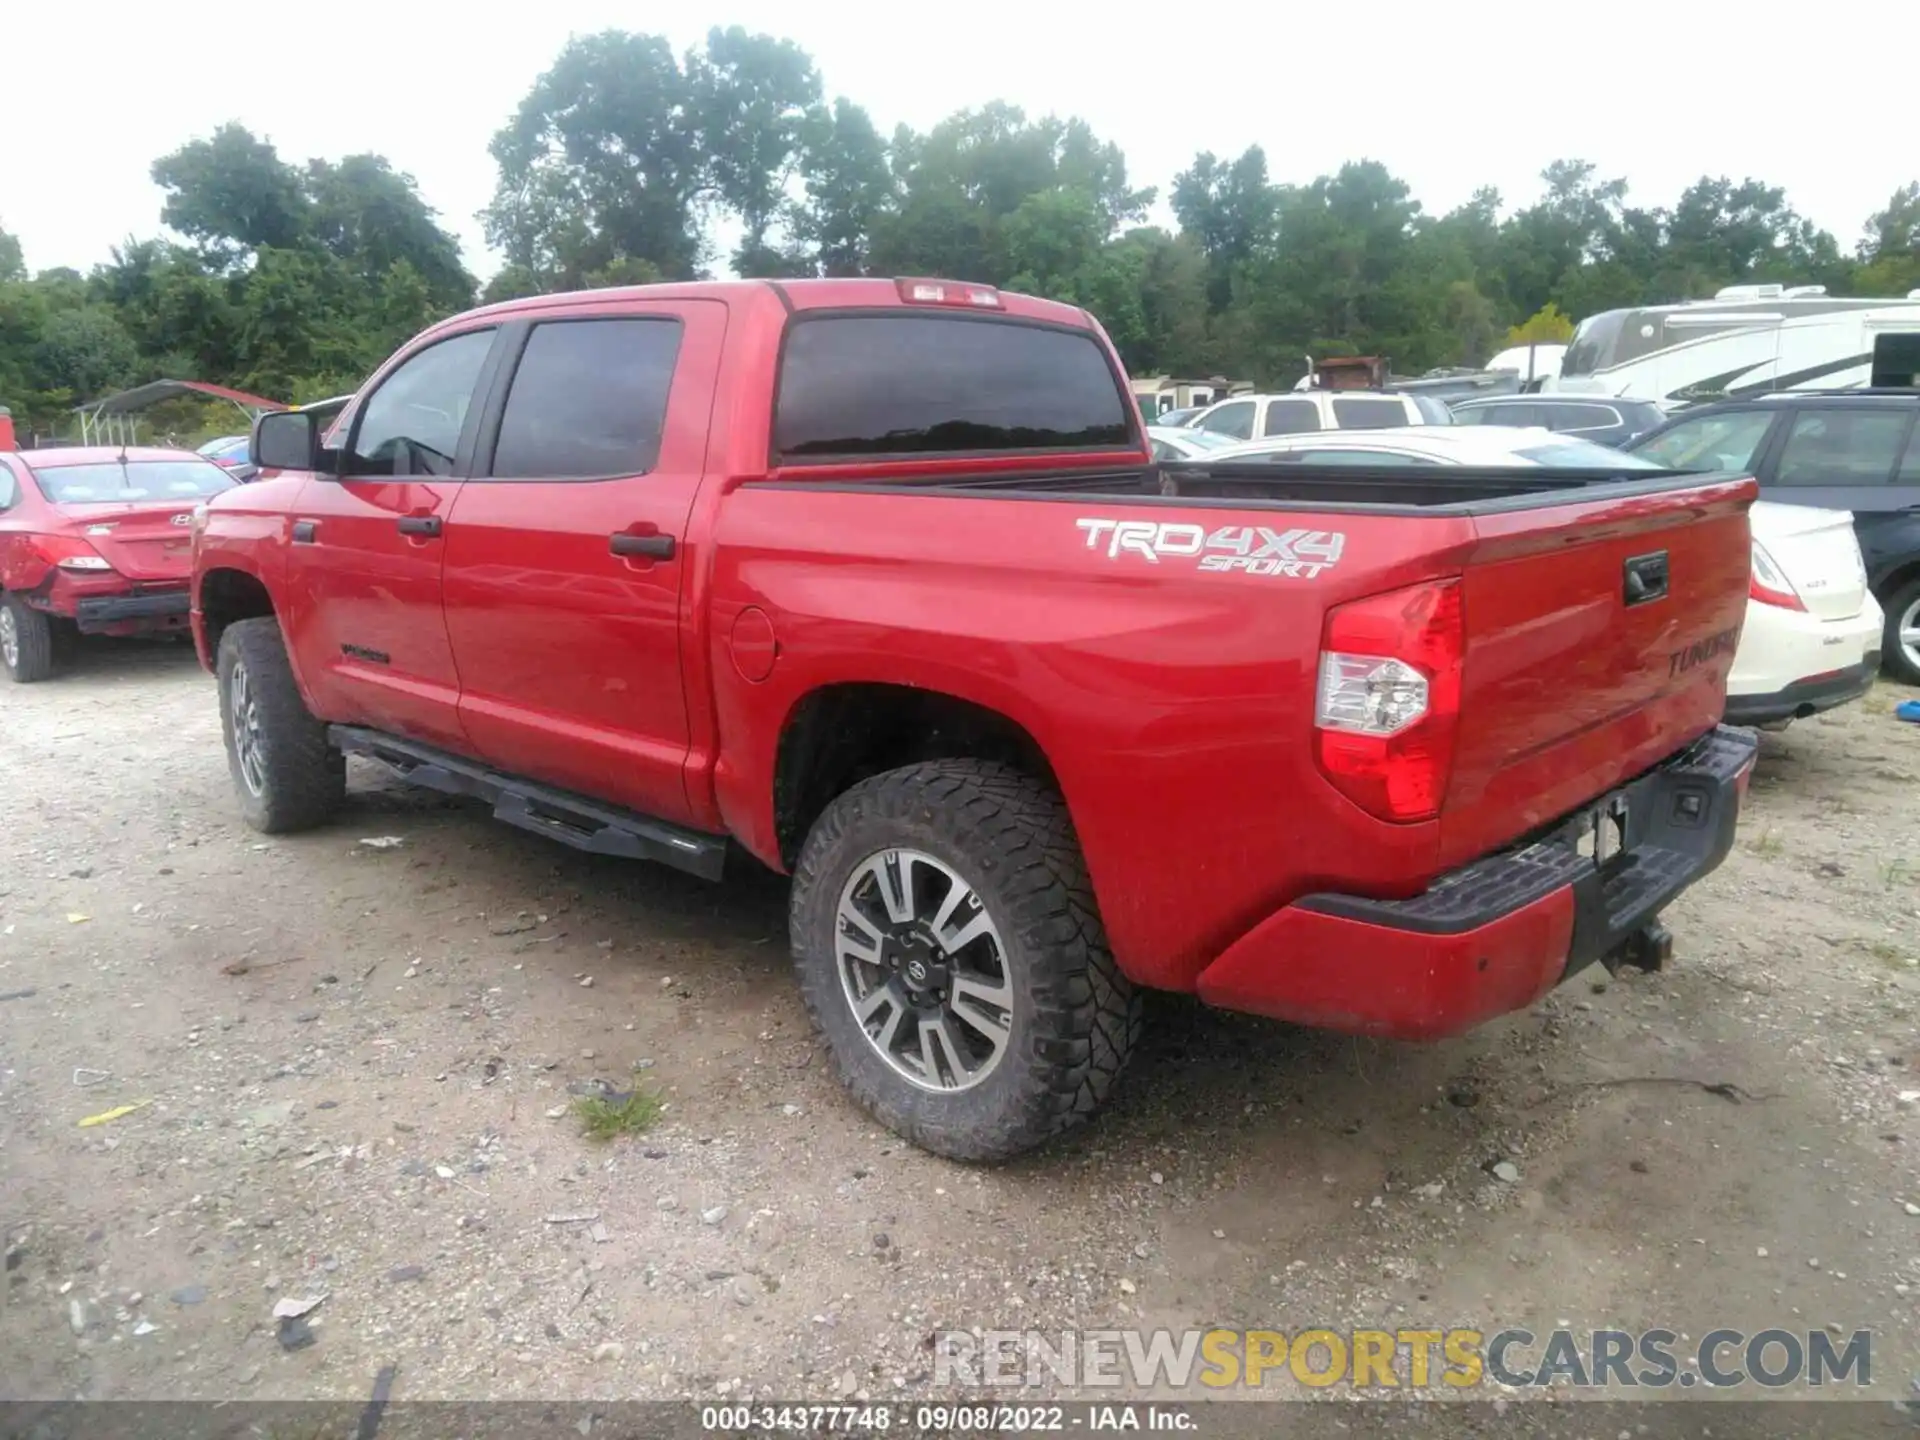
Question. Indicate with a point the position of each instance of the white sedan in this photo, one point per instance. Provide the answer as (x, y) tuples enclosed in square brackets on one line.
[(1170, 442), (1812, 635)]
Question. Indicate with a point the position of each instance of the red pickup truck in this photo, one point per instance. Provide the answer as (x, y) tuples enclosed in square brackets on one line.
[(876, 580)]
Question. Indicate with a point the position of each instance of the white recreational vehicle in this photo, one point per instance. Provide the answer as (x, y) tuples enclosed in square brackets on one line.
[(1747, 339)]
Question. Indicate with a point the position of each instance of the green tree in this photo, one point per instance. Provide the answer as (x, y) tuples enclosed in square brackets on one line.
[(755, 97), (1890, 250), (1231, 211), (848, 185), (372, 219), (83, 354), (1545, 326), (961, 183), (13, 265), (233, 194)]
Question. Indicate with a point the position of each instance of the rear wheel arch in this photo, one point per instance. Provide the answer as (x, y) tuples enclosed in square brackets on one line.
[(836, 736)]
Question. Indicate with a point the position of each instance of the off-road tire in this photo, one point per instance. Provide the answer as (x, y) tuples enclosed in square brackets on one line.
[(303, 778), (33, 657), (1075, 1016), (1893, 655)]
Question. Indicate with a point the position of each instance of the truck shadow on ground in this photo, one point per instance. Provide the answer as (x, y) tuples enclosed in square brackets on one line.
[(1199, 1074)]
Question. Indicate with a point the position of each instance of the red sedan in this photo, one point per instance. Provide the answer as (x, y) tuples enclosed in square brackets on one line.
[(97, 542)]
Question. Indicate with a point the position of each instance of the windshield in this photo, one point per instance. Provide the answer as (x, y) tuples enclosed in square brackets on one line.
[(1582, 455), (114, 482), (1592, 345)]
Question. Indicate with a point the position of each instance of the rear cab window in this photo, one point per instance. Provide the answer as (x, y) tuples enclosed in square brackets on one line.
[(892, 383)]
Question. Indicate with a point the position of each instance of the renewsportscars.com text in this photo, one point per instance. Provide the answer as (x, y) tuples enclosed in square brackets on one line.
[(1454, 1359)]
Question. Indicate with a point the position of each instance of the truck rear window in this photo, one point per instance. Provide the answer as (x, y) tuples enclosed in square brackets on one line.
[(891, 384)]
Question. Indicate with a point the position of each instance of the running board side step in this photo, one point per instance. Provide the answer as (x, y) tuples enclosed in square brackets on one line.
[(557, 814)]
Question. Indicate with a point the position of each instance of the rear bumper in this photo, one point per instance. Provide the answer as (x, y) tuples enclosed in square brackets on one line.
[(1805, 697), (1495, 935), (141, 610)]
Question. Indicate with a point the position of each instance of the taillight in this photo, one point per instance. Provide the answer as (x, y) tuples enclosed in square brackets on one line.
[(1388, 700), (68, 552), (1768, 584), (949, 292)]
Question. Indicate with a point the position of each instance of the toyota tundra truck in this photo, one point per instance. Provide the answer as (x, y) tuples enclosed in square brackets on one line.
[(876, 582)]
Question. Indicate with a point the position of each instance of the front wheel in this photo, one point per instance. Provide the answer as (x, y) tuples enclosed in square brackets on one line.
[(287, 775), (1901, 649), (950, 951), (26, 641)]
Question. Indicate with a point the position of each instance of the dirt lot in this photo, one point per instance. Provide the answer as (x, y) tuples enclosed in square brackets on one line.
[(357, 1059)]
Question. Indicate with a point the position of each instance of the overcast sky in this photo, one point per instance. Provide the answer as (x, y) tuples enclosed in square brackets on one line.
[(1449, 97)]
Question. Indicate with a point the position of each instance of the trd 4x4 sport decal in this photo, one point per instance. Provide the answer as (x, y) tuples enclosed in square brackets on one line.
[(1249, 549)]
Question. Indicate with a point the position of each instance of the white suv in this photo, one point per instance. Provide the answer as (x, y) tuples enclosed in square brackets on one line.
[(1306, 412)]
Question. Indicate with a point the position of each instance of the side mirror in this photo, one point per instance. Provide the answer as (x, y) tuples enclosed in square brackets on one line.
[(283, 440)]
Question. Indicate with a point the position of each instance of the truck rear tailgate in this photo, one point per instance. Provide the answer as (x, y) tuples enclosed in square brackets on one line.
[(1599, 638)]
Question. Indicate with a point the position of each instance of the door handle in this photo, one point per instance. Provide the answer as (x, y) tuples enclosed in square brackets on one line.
[(419, 524), (1645, 578), (304, 532), (652, 547)]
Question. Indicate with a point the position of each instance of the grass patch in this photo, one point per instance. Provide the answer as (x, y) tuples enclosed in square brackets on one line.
[(1891, 956), (1768, 842), (607, 1117)]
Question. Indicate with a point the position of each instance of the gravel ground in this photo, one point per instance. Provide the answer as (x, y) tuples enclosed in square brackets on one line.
[(353, 1062)]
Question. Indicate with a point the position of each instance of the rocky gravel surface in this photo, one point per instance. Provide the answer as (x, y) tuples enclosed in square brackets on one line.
[(339, 1069)]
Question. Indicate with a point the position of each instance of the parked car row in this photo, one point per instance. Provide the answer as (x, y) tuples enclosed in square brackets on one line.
[(1844, 451), (1812, 637)]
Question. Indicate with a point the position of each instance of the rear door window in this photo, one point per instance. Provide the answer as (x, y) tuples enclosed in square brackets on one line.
[(1357, 412), (1842, 447), (1909, 471), (588, 399), (1581, 417), (1291, 417), (1522, 415), (910, 384)]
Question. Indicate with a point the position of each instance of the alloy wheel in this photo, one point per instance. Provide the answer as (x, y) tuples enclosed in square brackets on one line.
[(245, 714), (924, 969), (1909, 632), (9, 638)]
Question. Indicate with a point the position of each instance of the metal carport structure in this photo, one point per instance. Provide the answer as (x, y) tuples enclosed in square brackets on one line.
[(110, 420)]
